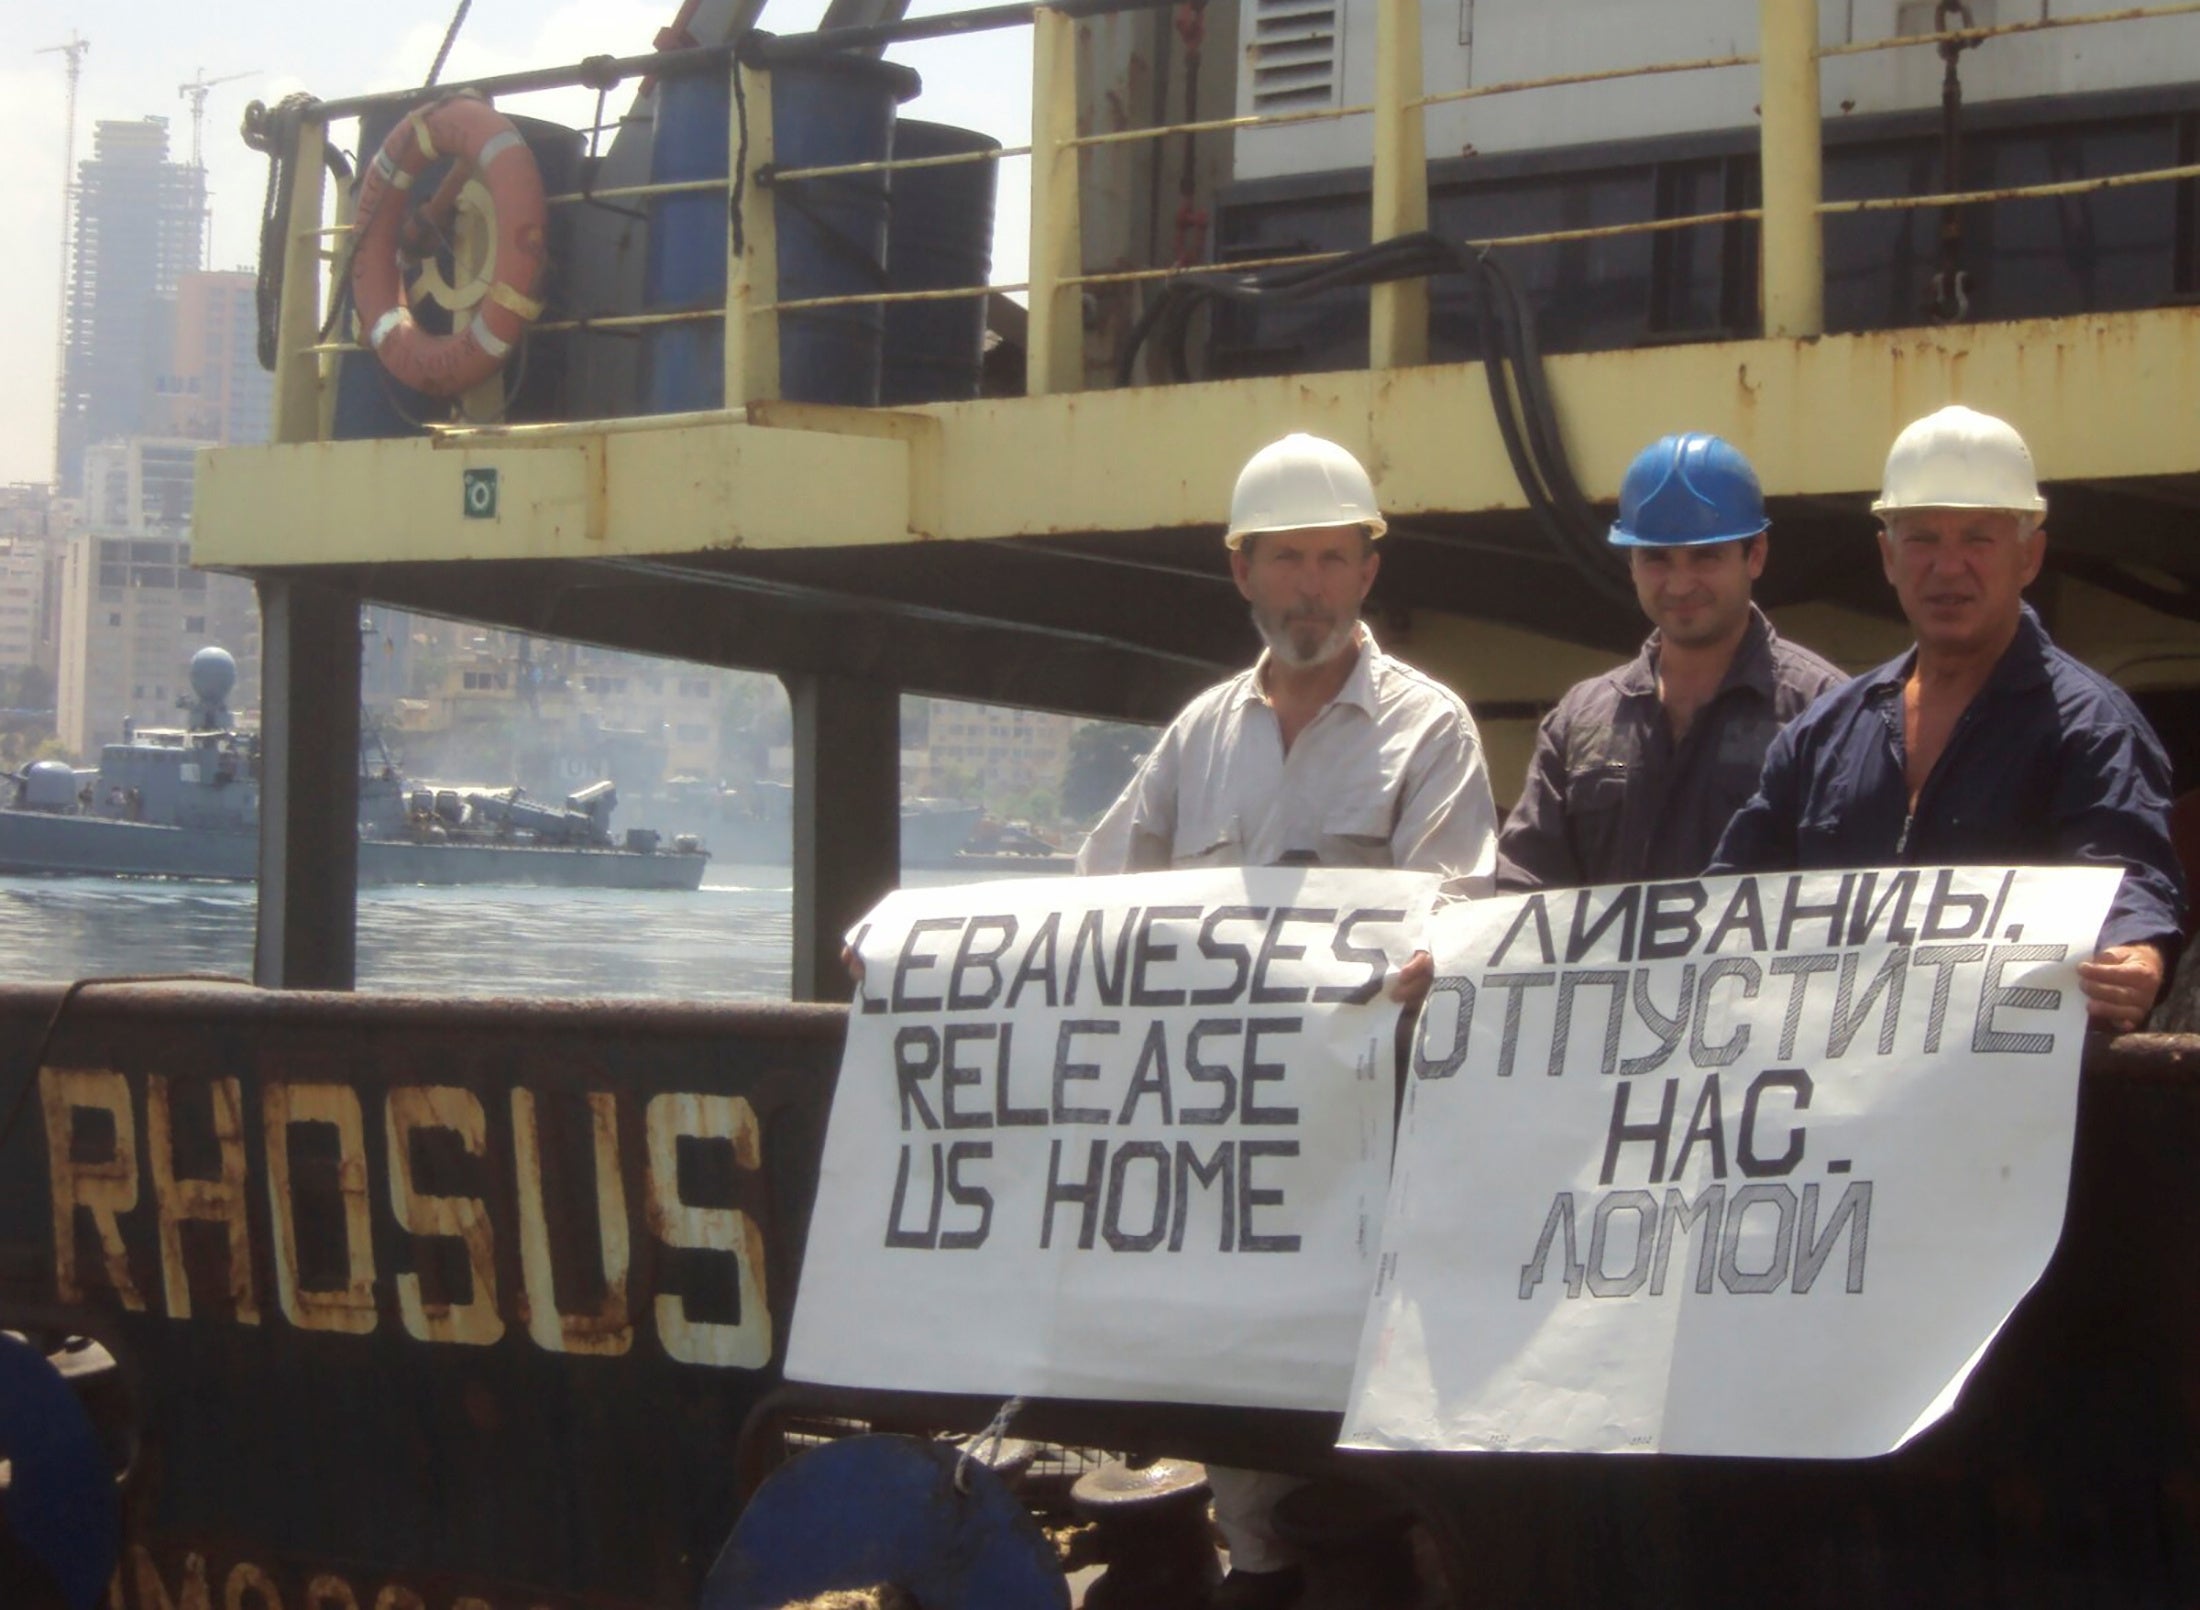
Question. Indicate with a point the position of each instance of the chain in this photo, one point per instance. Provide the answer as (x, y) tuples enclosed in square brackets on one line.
[(273, 131), (1949, 297), (1191, 218), (450, 38)]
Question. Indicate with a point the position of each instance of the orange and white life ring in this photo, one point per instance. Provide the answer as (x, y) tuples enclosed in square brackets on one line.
[(482, 143)]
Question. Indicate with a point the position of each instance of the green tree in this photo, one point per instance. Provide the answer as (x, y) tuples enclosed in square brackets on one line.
[(1102, 757)]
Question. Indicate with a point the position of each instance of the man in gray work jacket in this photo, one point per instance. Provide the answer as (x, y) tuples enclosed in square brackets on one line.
[(1326, 753), (1637, 771)]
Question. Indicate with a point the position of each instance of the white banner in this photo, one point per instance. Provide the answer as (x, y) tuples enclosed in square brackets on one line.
[(1112, 1138), (1746, 1166)]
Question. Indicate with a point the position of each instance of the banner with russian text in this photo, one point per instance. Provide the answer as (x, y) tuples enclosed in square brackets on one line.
[(1112, 1138), (1742, 1165)]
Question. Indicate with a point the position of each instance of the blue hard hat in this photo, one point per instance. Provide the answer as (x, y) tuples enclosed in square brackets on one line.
[(1688, 489)]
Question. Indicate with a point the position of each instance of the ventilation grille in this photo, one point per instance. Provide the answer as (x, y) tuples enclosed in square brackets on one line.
[(1294, 55)]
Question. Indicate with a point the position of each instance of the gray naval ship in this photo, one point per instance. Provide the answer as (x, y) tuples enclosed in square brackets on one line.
[(184, 802)]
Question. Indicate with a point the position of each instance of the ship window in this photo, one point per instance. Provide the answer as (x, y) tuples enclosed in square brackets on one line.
[(1294, 54), (114, 619)]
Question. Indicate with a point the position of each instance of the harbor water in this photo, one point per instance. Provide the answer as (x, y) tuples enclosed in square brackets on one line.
[(728, 941)]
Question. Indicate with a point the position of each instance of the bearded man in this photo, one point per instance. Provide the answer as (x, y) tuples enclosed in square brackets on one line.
[(1327, 752)]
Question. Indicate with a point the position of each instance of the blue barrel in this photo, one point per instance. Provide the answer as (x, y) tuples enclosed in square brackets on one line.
[(941, 237), (370, 402), (832, 232)]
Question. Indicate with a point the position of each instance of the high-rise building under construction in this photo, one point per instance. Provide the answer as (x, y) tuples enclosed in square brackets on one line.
[(139, 219)]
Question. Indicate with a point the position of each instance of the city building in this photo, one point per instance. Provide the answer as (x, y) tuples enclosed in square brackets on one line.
[(139, 221), (132, 613), (215, 389), (553, 716), (32, 523), (23, 573), (141, 484), (1013, 758)]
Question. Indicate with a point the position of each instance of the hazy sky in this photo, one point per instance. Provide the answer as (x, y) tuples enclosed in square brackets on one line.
[(143, 50)]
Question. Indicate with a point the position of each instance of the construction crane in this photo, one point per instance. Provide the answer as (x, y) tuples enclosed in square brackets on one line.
[(196, 92), (74, 52)]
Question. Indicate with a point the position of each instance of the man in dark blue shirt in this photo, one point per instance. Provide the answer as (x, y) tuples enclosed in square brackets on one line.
[(1637, 772), (1985, 744)]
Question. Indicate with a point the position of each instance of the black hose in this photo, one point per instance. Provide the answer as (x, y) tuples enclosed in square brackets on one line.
[(1520, 396)]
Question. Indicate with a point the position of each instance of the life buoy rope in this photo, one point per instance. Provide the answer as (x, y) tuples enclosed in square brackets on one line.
[(482, 142)]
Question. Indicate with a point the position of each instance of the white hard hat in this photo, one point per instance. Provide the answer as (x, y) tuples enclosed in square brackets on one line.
[(1297, 484), (1960, 459)]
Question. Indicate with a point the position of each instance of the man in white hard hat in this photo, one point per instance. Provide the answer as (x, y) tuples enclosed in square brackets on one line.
[(1326, 752), (1985, 744)]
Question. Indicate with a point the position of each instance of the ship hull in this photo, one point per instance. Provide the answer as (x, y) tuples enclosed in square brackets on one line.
[(90, 846)]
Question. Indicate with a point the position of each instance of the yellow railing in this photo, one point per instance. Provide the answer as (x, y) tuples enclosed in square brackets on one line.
[(1792, 215)]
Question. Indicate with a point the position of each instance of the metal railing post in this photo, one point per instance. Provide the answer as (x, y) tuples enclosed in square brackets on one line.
[(752, 246), (298, 379), (1794, 260), (1054, 346), (1397, 332), (332, 361)]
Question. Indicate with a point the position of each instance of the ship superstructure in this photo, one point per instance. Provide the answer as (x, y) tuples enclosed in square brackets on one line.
[(1051, 547)]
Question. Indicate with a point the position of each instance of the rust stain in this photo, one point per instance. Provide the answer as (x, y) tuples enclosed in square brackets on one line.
[(247, 1578), (191, 1593), (411, 1108), (746, 1344), (220, 1200), (330, 1593), (607, 1331), (349, 1308), (105, 1187)]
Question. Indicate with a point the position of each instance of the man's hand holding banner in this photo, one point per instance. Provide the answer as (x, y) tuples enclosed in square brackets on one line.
[(1749, 1166), (1112, 1138)]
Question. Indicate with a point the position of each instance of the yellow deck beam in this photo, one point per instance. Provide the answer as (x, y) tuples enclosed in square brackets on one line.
[(2099, 397)]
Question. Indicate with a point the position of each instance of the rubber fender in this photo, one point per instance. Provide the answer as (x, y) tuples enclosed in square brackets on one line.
[(61, 1505), (867, 1511)]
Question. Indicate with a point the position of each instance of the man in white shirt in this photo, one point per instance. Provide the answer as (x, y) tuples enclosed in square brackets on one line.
[(1327, 752)]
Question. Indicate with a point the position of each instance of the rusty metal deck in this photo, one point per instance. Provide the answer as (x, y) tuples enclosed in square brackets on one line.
[(437, 1305)]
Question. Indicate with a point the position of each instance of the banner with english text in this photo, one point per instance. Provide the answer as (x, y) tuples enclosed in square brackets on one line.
[(1743, 1165), (1118, 1138)]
